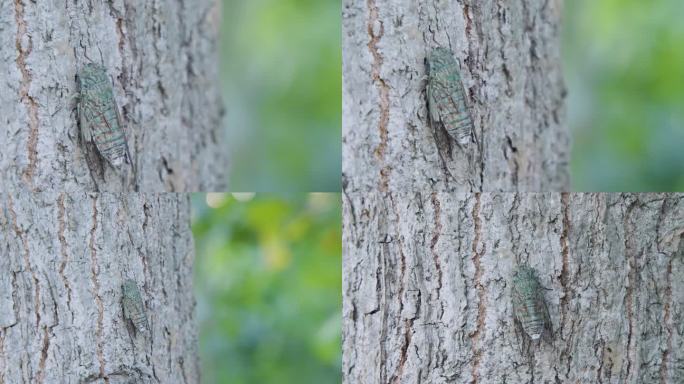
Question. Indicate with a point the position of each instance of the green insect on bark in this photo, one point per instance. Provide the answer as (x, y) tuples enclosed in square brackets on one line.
[(446, 97), (133, 307), (531, 316), (99, 118)]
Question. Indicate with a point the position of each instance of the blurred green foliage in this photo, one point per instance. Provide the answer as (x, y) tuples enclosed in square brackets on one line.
[(282, 76), (268, 285), (624, 66)]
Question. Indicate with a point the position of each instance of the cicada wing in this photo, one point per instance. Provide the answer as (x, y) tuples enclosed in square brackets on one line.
[(113, 129), (518, 312), (460, 125), (437, 94), (123, 131), (126, 308), (433, 109), (547, 335), (450, 109), (519, 308), (139, 306), (86, 133), (521, 335)]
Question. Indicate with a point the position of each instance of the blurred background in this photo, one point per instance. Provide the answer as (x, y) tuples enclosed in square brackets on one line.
[(623, 64), (624, 69), (281, 68), (268, 286)]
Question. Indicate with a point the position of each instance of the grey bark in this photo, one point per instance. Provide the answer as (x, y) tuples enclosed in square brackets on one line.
[(426, 287), (509, 54), (162, 59), (63, 260)]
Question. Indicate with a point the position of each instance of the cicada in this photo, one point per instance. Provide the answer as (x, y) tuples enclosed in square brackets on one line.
[(133, 307), (531, 316), (446, 97), (99, 118)]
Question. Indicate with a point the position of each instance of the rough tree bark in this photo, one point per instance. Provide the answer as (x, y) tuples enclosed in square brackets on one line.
[(427, 287), (162, 58), (510, 63), (63, 258)]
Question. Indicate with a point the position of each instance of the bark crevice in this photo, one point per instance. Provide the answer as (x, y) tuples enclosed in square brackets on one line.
[(376, 30), (27, 259), (40, 376), (631, 255), (481, 294), (565, 259), (667, 324), (95, 271), (23, 38), (435, 239), (61, 219)]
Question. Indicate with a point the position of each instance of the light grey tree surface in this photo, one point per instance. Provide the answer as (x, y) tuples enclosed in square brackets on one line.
[(63, 261), (162, 58), (509, 55), (427, 279)]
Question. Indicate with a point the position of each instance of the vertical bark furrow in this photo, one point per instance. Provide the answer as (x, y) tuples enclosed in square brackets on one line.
[(381, 279), (27, 260), (61, 219), (667, 324), (480, 287), (403, 352), (94, 272), (631, 255), (24, 45), (40, 376), (376, 30), (435, 239), (409, 306), (565, 260)]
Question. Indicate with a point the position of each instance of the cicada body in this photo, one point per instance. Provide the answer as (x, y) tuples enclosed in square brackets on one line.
[(446, 97), (99, 118), (133, 307), (529, 307)]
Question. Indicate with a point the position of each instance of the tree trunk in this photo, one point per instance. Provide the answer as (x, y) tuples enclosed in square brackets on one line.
[(509, 54), (64, 259), (161, 56), (427, 287)]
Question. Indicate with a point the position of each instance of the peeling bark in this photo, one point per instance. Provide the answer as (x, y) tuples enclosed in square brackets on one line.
[(509, 56), (161, 56), (426, 287), (63, 261)]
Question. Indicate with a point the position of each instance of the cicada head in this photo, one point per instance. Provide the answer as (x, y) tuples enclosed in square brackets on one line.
[(525, 277), (91, 76), (439, 59), (129, 287)]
